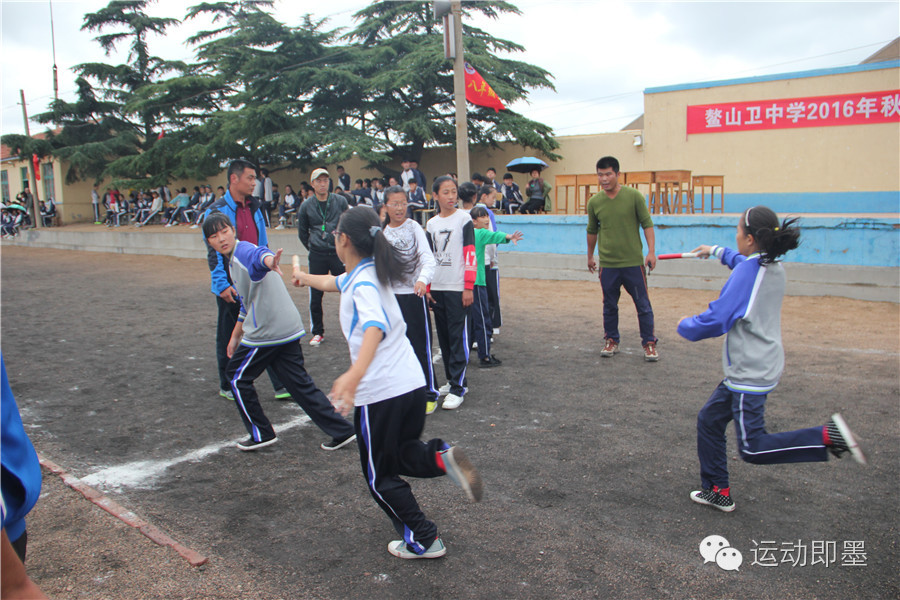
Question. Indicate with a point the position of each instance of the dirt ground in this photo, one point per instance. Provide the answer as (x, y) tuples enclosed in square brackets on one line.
[(587, 462)]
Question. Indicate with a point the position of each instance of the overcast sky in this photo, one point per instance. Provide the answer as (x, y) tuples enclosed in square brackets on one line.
[(602, 54)]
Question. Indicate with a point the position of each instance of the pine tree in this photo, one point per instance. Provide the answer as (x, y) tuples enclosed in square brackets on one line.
[(112, 130), (266, 74), (409, 102)]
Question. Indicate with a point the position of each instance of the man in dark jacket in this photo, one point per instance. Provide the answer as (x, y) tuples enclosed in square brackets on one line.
[(316, 221)]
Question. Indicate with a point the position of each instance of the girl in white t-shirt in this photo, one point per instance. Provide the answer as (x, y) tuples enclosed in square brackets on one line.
[(408, 237), (385, 384)]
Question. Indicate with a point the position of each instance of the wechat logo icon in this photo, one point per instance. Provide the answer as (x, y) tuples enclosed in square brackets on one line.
[(715, 548)]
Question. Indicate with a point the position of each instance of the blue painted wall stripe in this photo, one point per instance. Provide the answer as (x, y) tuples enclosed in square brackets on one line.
[(818, 202), (837, 240)]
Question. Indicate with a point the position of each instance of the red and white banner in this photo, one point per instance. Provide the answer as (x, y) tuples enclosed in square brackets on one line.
[(820, 111)]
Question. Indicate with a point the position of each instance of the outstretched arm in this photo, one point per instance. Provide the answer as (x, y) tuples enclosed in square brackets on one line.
[(323, 283)]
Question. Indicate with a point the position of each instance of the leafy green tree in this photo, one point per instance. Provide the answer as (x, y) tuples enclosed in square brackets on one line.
[(265, 74), (112, 129), (408, 97)]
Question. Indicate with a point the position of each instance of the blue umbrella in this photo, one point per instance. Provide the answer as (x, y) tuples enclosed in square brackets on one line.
[(526, 164)]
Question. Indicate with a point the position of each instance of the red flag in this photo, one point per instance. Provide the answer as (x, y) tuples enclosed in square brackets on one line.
[(478, 91), (36, 161), (161, 135)]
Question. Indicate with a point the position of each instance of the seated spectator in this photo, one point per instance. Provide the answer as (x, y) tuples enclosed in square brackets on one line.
[(288, 207), (510, 196), (48, 212), (538, 192), (206, 200), (175, 212), (156, 207), (191, 210), (11, 219), (417, 200), (122, 213), (377, 193), (351, 199), (491, 175), (361, 193)]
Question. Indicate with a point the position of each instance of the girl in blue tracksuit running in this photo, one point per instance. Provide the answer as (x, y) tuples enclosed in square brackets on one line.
[(386, 384), (748, 312)]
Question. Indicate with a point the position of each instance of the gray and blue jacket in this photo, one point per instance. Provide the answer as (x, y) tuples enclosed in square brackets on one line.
[(748, 312), (268, 313)]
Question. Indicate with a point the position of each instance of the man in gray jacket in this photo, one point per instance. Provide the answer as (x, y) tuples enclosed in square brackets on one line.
[(317, 219)]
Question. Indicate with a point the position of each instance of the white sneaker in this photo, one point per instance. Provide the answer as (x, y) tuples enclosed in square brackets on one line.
[(316, 340), (436, 550), (452, 401), (195, 226), (496, 331), (474, 345), (444, 389), (280, 227)]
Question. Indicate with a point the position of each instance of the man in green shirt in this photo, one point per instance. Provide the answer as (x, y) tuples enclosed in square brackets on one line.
[(615, 215)]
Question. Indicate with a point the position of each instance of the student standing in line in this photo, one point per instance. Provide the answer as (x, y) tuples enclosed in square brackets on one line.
[(410, 241), (748, 312), (453, 239), (481, 311), (386, 386), (487, 196)]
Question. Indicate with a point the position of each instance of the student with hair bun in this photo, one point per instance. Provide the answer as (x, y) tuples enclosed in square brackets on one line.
[(748, 312)]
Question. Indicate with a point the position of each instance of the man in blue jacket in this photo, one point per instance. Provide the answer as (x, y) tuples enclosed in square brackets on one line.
[(246, 215)]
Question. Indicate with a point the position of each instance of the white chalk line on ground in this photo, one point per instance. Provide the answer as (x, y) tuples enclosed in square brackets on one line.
[(144, 474), (846, 349)]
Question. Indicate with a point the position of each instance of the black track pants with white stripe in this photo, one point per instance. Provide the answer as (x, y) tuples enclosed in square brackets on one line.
[(287, 361), (389, 446)]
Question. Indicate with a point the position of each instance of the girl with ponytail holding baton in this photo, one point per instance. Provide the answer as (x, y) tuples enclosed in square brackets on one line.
[(748, 312), (385, 384)]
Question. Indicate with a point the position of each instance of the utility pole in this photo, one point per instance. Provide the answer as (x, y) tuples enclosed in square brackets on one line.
[(53, 42), (459, 92), (451, 12), (34, 212)]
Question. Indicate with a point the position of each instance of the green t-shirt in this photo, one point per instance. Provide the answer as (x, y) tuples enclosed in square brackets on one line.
[(616, 223), (483, 237)]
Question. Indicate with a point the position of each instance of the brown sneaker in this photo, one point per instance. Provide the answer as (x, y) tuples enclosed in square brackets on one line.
[(650, 353), (611, 347)]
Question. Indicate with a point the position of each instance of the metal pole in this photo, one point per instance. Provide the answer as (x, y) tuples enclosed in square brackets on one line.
[(53, 42), (35, 213), (459, 93)]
